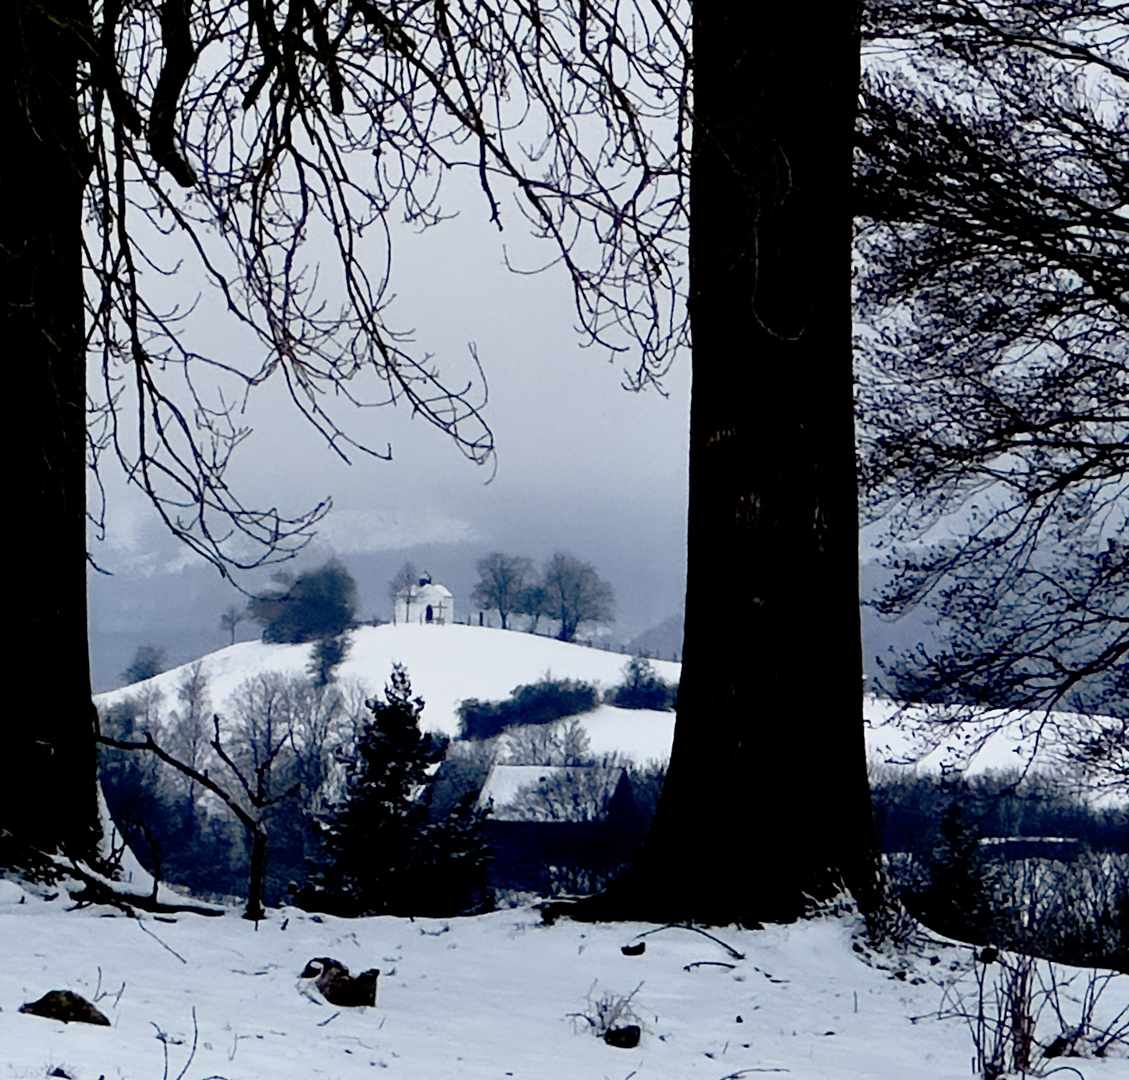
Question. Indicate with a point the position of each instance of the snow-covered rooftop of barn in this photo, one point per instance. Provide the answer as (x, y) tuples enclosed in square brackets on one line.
[(506, 783)]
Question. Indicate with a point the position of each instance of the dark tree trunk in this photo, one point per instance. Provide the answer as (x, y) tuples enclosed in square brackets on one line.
[(50, 762), (257, 876), (766, 799)]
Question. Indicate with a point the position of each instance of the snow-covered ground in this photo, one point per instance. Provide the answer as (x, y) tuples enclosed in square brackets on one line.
[(448, 664), (493, 996), (978, 740)]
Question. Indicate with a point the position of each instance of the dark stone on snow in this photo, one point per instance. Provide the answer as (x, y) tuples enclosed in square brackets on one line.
[(67, 1006), (634, 950), (623, 1037), (337, 986), (1059, 1045)]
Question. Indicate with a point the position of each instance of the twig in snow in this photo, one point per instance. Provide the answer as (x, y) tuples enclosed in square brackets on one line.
[(708, 963), (235, 1044), (728, 948), (164, 1040), (697, 930), (162, 944), (195, 1039), (322, 1023), (741, 1072), (99, 993)]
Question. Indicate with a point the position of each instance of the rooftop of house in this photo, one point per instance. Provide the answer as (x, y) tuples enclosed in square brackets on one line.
[(550, 793), (425, 589)]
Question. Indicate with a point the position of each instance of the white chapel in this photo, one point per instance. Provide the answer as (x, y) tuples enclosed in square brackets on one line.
[(425, 603)]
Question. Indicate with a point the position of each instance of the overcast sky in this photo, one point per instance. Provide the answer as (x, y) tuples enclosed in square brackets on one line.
[(582, 464)]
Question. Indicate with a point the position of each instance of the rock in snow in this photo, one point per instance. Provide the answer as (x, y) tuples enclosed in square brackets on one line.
[(67, 1006), (337, 986)]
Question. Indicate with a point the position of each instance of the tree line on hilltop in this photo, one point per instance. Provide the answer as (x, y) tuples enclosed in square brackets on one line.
[(566, 591), (318, 606)]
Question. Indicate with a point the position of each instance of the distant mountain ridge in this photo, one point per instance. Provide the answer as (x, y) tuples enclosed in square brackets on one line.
[(662, 642)]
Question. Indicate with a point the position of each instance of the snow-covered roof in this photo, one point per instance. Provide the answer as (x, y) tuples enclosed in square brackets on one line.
[(424, 593), (549, 793)]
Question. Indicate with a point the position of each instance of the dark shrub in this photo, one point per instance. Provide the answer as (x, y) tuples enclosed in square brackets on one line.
[(534, 703), (643, 688), (316, 604), (147, 662), (325, 656)]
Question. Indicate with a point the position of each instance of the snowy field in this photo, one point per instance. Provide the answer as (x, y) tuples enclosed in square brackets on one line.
[(494, 996), (448, 664)]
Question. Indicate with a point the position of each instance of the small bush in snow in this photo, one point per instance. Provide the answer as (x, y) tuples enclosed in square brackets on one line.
[(642, 688), (534, 703), (1023, 1013), (606, 1012)]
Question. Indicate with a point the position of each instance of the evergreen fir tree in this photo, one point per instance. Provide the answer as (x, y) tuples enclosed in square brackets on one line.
[(960, 898), (385, 852)]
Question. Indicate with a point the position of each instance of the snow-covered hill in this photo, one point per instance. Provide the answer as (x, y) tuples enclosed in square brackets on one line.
[(448, 664), (497, 995)]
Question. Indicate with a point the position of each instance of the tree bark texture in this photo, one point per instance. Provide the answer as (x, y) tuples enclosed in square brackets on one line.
[(49, 790), (766, 802), (258, 875)]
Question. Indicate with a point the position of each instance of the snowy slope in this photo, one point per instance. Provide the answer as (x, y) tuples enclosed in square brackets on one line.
[(493, 996), (935, 738), (448, 664)]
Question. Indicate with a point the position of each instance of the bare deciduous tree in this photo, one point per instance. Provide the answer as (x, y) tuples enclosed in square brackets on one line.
[(231, 619), (993, 377), (576, 793), (404, 586), (562, 743), (502, 580), (575, 594), (189, 725)]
